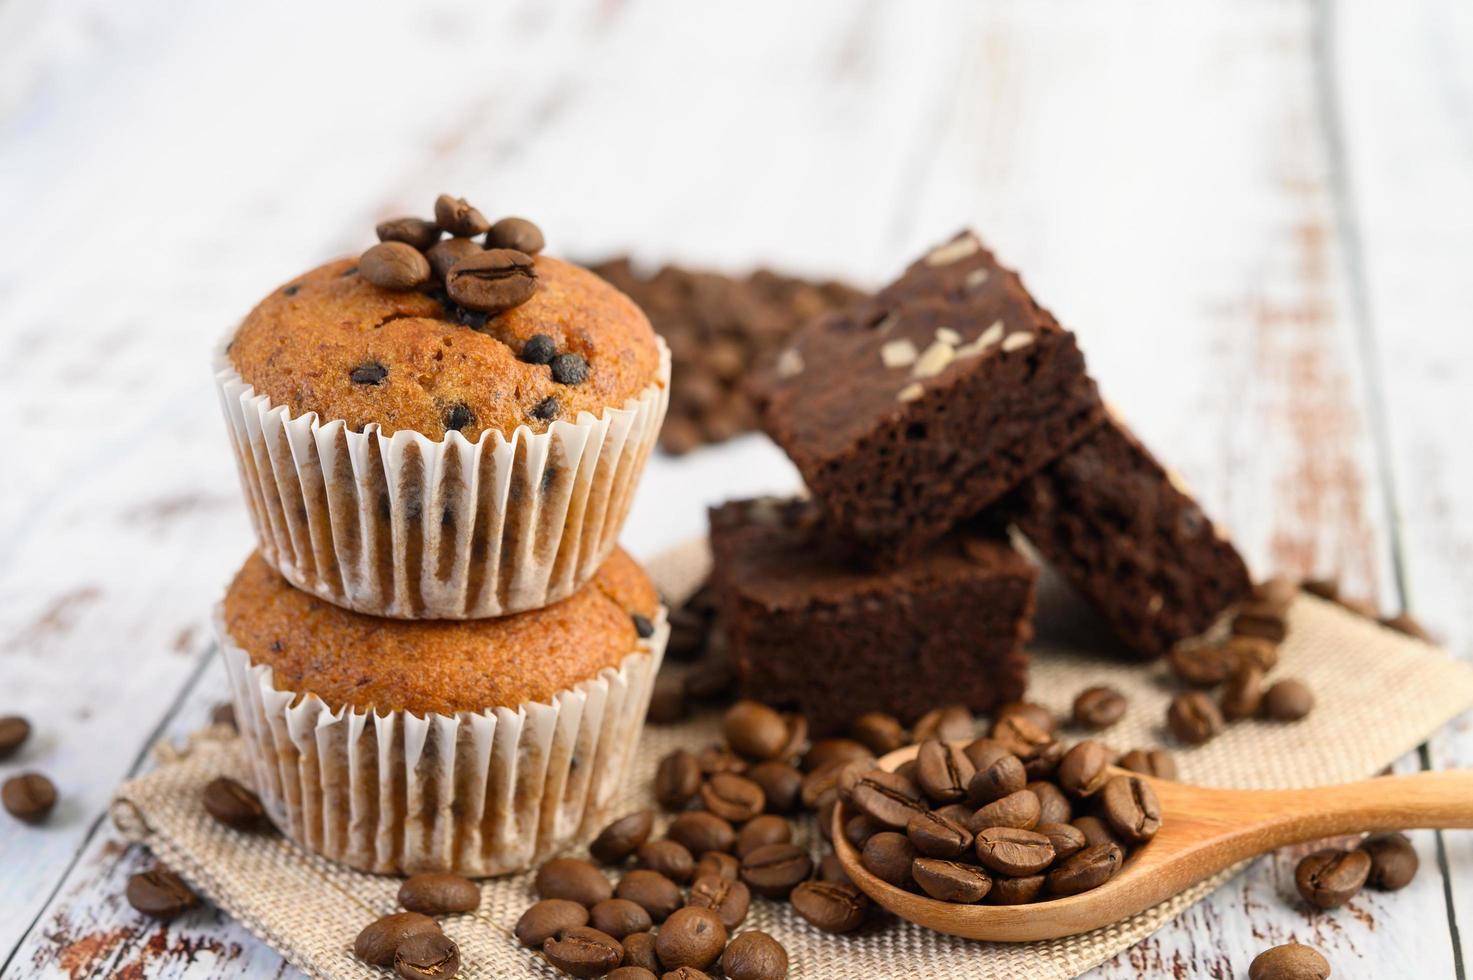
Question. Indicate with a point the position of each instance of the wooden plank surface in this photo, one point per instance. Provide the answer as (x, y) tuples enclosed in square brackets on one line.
[(1207, 198)]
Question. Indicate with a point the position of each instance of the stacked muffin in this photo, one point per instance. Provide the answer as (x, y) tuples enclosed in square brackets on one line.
[(439, 657)]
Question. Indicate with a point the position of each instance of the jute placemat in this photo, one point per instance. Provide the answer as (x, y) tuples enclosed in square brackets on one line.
[(1379, 695)]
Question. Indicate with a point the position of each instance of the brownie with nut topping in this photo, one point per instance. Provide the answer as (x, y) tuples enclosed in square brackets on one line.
[(809, 630), (1125, 532), (920, 406)]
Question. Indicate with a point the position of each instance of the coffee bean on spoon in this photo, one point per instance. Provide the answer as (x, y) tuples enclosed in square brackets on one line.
[(1087, 869), (889, 856), (935, 835), (1014, 852), (1019, 810), (888, 797), (1053, 805), (943, 771), (1002, 776), (1131, 808), (951, 881)]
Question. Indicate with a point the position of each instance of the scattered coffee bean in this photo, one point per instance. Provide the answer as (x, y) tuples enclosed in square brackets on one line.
[(690, 937), (439, 893), (1066, 839), (428, 956), (1014, 852), (1193, 718), (953, 723), (569, 369), (583, 952), (1288, 700), (160, 893), (701, 832), (1084, 769), (830, 905), (639, 953), (572, 879), (444, 256), (652, 891), (379, 939), (797, 736), (1131, 808), (754, 956), (1291, 961), (547, 918), (943, 771), (1003, 775), (879, 732), (720, 864), (951, 881), (455, 215), (1241, 650), (936, 835), (677, 779), (1053, 805), (494, 281), (827, 751), (619, 917), (1149, 762), (670, 858), (1089, 868), (718, 758), (234, 805), (1015, 891), (755, 730), (1393, 861), (773, 870), (1097, 708), (517, 233), (1019, 811), (1243, 693), (14, 730), (371, 373), (623, 837), (781, 784), (1202, 666), (414, 232), (761, 830), (1041, 717), (728, 899), (28, 797), (394, 265), (1331, 877)]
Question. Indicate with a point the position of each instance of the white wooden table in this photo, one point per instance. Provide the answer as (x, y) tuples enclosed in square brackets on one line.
[(1257, 214)]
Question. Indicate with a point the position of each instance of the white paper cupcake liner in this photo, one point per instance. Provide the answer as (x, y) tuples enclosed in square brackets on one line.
[(411, 528), (477, 794)]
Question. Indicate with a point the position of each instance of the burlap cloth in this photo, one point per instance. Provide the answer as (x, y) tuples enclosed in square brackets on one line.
[(1379, 695)]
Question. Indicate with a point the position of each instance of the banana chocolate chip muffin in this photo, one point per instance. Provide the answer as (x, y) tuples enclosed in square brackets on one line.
[(475, 747), (443, 427)]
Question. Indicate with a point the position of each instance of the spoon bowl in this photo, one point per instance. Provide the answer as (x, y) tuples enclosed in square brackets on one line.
[(1203, 831)]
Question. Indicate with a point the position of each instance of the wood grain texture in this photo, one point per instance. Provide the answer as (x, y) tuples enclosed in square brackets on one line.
[(1161, 172)]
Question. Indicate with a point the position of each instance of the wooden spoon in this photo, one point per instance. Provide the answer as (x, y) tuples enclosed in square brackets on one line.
[(1202, 832)]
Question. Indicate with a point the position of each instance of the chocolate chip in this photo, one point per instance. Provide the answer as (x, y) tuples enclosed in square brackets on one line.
[(458, 416), (291, 290), (517, 233), (394, 265), (546, 410), (475, 319), (642, 626), (160, 893), (569, 369), (28, 797), (456, 216), (233, 805), (538, 349), (494, 280), (414, 232), (372, 373), (444, 255)]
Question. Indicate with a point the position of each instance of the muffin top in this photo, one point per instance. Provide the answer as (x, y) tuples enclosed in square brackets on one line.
[(440, 666), (333, 343)]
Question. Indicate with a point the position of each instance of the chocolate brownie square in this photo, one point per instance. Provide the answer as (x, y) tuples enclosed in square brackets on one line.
[(1126, 533), (809, 630), (910, 411)]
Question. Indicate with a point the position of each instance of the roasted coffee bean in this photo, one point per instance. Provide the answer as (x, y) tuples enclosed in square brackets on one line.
[(1405, 623), (652, 891), (623, 837), (583, 952), (1288, 700), (1202, 666), (797, 739), (1067, 839), (547, 918), (728, 899), (685, 973), (1265, 624), (439, 893), (1193, 718), (888, 797), (861, 827), (394, 265), (1329, 878), (1393, 861), (1260, 653), (1015, 891), (719, 758), (938, 836), (880, 733), (1019, 810), (1000, 777), (760, 831), (754, 956), (569, 369), (429, 956), (754, 730), (1033, 746), (414, 232), (233, 805), (1040, 716), (830, 868), (690, 937), (671, 858), (677, 779), (29, 797), (826, 819), (639, 953), (952, 723), (985, 751), (718, 864), (1089, 868), (951, 881), (943, 772), (444, 256), (1053, 805), (827, 751), (14, 730), (493, 281), (830, 905), (1015, 852), (888, 856), (1129, 805), (1243, 693), (1097, 708), (781, 783), (160, 894), (517, 233), (835, 778), (773, 870), (732, 797), (1096, 831), (1150, 762), (1291, 961), (371, 373), (1084, 769), (379, 939), (701, 832), (619, 917), (572, 879), (456, 216)]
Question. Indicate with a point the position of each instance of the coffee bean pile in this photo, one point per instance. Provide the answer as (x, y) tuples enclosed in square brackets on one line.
[(481, 278), (720, 329), (28, 796), (412, 941)]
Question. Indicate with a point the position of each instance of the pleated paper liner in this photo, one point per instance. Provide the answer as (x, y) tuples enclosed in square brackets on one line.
[(408, 527), (1379, 695)]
